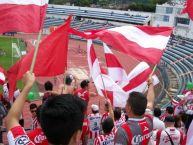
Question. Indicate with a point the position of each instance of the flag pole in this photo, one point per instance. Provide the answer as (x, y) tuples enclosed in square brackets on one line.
[(35, 52), (103, 86)]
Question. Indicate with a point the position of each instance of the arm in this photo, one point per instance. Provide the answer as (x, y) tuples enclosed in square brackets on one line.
[(110, 109), (150, 94), (13, 116)]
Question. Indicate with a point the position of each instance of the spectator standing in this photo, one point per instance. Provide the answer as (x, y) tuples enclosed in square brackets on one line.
[(37, 136), (138, 128), (169, 136), (33, 109), (94, 120)]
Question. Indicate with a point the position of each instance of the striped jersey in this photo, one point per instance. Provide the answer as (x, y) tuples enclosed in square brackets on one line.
[(94, 121), (106, 139), (17, 136), (135, 131)]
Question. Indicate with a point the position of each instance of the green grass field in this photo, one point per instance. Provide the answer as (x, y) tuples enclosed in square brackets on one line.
[(7, 60)]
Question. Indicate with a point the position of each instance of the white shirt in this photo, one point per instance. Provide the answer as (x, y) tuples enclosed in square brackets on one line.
[(163, 138), (158, 124)]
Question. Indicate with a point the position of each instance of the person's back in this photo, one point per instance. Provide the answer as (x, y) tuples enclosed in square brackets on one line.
[(94, 120), (170, 134), (48, 86), (138, 128), (109, 133), (164, 138), (157, 123)]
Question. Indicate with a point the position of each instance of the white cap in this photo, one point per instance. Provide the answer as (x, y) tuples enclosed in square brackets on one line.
[(95, 107)]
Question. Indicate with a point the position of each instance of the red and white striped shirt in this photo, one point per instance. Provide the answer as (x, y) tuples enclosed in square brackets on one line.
[(34, 123), (106, 139), (17, 136), (94, 121)]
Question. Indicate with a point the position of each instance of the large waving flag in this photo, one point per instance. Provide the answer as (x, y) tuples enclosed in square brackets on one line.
[(51, 59), (2, 76), (142, 42), (22, 15), (106, 85), (188, 8)]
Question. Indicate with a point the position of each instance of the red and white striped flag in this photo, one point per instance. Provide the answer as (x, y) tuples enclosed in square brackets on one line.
[(2, 76), (22, 15), (106, 86), (142, 42), (114, 67)]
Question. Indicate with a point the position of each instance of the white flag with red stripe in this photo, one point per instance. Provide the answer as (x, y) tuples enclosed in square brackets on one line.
[(22, 15), (142, 42), (106, 86), (114, 67), (2, 76)]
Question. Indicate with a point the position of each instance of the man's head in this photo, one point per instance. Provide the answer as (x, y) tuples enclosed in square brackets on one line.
[(117, 113), (48, 86), (107, 125), (70, 83), (136, 104), (33, 108), (157, 112), (170, 110), (84, 84), (61, 119), (95, 108), (169, 121)]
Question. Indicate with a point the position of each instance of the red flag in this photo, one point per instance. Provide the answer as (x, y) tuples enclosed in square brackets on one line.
[(11, 75), (188, 8), (51, 59), (22, 15)]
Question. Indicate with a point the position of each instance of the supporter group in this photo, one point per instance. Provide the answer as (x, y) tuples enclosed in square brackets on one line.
[(63, 118)]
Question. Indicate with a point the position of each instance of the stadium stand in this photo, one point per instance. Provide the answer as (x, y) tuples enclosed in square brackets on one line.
[(112, 16)]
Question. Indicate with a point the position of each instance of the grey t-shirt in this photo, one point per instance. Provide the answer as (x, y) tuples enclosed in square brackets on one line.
[(140, 130)]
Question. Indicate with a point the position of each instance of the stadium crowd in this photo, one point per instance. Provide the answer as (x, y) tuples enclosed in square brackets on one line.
[(63, 118)]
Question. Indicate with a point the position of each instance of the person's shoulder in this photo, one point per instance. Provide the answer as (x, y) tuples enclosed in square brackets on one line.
[(17, 135)]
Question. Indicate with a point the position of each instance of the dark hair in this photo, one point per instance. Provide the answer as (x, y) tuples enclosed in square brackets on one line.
[(138, 103), (107, 125), (48, 86), (157, 112), (94, 112), (61, 117), (32, 106), (169, 119), (117, 113), (170, 109), (68, 79), (38, 113), (84, 84)]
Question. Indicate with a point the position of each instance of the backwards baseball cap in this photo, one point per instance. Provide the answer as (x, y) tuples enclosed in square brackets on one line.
[(169, 119), (68, 79), (95, 107)]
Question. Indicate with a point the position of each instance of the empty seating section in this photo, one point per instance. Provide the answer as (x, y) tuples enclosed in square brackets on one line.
[(134, 19), (178, 57), (85, 25)]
